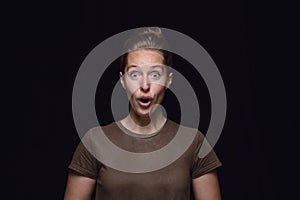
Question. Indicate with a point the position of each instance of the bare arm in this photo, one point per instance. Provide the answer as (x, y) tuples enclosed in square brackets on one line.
[(79, 187), (206, 187)]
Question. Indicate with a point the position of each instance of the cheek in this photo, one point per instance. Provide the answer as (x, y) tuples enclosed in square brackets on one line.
[(158, 89), (162, 82), (131, 86)]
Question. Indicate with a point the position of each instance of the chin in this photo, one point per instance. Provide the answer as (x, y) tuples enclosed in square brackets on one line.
[(143, 113)]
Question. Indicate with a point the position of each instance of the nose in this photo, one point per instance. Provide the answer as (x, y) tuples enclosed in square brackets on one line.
[(145, 85)]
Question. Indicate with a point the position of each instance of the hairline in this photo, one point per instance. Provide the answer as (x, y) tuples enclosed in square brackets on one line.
[(158, 50)]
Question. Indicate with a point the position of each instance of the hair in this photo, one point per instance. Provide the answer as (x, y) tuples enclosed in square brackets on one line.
[(146, 38)]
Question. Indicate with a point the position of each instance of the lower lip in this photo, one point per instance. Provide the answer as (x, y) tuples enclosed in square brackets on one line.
[(144, 104)]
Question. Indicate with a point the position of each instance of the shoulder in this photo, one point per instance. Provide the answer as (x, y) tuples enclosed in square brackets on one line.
[(95, 131), (186, 130), (95, 137), (190, 136)]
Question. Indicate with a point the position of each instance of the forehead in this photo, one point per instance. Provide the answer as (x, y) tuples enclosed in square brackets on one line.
[(145, 57)]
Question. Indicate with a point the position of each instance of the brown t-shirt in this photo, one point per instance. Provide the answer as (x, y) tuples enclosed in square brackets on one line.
[(172, 182)]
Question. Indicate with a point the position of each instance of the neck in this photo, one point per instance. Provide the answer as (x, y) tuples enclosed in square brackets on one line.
[(146, 124)]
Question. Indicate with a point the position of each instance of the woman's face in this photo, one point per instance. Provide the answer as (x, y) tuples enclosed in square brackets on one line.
[(145, 80)]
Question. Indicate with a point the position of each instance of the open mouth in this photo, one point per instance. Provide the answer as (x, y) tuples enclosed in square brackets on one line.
[(145, 102)]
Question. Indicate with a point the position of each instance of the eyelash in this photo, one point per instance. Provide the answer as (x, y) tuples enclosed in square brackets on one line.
[(131, 74), (156, 73)]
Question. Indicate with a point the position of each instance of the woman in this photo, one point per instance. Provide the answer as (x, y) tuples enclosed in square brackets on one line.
[(145, 77)]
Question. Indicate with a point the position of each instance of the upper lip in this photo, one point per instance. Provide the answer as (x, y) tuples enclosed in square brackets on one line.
[(145, 97)]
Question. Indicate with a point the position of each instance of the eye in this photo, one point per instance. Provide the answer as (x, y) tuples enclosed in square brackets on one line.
[(155, 75), (134, 74)]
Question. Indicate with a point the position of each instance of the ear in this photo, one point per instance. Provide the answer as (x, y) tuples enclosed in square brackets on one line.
[(170, 79), (122, 80)]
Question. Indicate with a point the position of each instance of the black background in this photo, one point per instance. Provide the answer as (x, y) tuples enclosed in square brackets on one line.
[(249, 41)]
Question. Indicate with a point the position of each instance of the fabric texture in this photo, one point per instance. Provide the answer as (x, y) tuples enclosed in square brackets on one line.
[(171, 182)]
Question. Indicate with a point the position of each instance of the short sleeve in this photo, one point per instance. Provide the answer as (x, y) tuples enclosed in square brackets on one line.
[(201, 166), (84, 163)]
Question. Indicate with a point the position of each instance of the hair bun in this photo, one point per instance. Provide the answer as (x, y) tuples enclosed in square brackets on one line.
[(150, 30)]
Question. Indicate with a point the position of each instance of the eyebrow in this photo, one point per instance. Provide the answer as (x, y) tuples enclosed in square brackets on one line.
[(130, 66), (153, 66)]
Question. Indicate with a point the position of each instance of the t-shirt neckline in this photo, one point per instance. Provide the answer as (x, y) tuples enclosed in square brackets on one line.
[(136, 135)]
